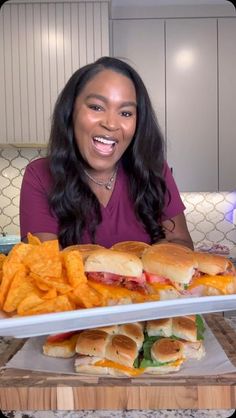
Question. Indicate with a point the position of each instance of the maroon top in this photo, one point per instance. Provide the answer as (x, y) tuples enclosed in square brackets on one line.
[(119, 222)]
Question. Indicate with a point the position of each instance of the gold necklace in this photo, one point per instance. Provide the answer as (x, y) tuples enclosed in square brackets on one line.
[(106, 184)]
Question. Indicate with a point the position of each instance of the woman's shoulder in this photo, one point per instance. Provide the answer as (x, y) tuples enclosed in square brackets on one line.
[(39, 164), (39, 168)]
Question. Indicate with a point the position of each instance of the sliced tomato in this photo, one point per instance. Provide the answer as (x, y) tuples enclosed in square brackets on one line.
[(153, 278), (61, 337)]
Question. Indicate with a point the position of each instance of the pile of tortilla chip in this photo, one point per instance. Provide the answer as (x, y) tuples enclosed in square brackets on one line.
[(38, 278)]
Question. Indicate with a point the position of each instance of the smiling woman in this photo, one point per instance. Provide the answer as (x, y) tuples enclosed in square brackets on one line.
[(105, 179)]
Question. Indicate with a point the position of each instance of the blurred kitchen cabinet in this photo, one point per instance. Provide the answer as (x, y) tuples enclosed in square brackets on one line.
[(227, 103), (177, 59), (191, 103), (41, 45), (141, 42)]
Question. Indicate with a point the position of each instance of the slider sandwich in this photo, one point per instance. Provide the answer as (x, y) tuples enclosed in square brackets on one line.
[(156, 347), (215, 275), (100, 352), (118, 277), (162, 355), (175, 268), (133, 247), (170, 341), (61, 345), (84, 249)]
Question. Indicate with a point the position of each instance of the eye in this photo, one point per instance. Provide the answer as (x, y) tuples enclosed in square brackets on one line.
[(126, 113), (95, 107)]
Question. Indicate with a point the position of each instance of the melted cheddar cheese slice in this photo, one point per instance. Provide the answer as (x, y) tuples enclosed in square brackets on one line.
[(116, 292), (114, 365), (218, 282), (130, 370)]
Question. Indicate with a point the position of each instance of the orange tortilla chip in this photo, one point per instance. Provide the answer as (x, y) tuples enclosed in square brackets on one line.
[(86, 297), (57, 284), (38, 283), (51, 294), (44, 259), (30, 302), (73, 263), (58, 304), (20, 287), (19, 252), (10, 268), (33, 240), (3, 257)]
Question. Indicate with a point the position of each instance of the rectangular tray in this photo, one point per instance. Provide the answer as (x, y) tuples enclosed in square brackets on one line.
[(30, 326)]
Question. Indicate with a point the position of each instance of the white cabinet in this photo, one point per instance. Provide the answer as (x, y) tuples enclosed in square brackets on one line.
[(141, 43), (191, 103), (41, 45), (193, 87), (227, 103)]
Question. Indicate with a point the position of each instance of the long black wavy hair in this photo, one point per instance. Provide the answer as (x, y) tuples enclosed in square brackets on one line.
[(71, 199)]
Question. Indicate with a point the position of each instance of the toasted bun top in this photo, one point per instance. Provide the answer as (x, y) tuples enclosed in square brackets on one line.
[(168, 246), (167, 349), (84, 249), (92, 342), (184, 328), (110, 329), (133, 331), (171, 261), (133, 247), (162, 327), (212, 264), (121, 349), (116, 262)]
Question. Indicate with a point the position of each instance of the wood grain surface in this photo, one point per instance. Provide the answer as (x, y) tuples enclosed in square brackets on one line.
[(26, 390)]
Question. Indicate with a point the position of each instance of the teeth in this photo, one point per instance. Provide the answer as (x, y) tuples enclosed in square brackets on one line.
[(104, 141)]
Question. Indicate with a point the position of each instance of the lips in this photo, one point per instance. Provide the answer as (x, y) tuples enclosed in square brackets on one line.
[(104, 145)]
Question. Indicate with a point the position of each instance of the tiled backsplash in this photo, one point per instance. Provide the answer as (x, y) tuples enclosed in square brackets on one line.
[(209, 215)]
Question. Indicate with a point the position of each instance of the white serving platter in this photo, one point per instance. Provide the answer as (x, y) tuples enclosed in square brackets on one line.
[(31, 326)]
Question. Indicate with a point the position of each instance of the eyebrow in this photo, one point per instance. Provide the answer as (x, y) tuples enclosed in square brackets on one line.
[(104, 99)]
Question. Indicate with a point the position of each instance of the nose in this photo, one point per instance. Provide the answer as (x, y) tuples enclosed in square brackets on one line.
[(109, 121)]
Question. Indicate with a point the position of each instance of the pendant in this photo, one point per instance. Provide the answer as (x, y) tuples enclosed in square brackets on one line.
[(108, 186)]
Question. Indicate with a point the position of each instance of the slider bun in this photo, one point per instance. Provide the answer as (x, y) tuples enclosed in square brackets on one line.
[(84, 249), (133, 331), (168, 246), (116, 262), (90, 369), (100, 371), (110, 329), (171, 261), (167, 349), (118, 348), (134, 247), (169, 294), (63, 351), (184, 328), (92, 342), (194, 349), (159, 327), (121, 349), (212, 264), (167, 368)]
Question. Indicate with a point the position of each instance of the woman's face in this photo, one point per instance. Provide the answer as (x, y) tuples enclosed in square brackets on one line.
[(105, 119)]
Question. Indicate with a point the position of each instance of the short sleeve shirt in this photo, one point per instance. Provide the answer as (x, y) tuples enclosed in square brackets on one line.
[(119, 222)]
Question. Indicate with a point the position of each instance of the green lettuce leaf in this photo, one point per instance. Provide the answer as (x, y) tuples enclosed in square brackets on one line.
[(200, 327)]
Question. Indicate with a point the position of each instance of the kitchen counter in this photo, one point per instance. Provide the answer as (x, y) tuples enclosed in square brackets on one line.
[(23, 391)]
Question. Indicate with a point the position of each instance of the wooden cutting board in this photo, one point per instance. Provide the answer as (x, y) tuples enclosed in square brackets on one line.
[(26, 390)]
